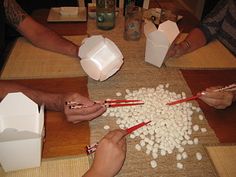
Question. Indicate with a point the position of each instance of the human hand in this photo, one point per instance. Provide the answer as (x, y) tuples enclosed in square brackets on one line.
[(110, 155), (178, 50), (89, 111), (218, 100)]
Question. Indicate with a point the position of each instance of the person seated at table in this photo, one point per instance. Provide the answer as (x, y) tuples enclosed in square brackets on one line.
[(37, 34), (56, 102), (219, 24), (42, 37), (109, 156), (218, 100)]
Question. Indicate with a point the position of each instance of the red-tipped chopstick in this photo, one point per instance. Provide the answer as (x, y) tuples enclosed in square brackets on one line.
[(92, 148), (109, 105), (131, 129), (122, 101), (184, 100), (119, 103)]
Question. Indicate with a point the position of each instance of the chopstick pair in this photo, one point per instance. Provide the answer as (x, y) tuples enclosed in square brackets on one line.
[(119, 103), (92, 148), (228, 88), (107, 103)]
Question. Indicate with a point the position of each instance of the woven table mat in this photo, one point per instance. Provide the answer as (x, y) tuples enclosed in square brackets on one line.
[(212, 56), (66, 167), (27, 62), (134, 74), (223, 158)]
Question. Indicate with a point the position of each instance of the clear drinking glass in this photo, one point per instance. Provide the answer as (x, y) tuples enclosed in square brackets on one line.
[(133, 22)]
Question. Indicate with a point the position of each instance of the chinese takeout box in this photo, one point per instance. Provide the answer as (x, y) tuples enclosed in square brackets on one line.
[(100, 57), (21, 132), (158, 41)]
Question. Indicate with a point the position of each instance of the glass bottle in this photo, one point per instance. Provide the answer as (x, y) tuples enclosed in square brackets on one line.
[(133, 22), (105, 14)]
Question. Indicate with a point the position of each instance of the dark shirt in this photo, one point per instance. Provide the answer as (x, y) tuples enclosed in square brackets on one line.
[(2, 30), (221, 24)]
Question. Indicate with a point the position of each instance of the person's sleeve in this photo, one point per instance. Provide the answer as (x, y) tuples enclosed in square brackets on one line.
[(212, 22), (14, 13)]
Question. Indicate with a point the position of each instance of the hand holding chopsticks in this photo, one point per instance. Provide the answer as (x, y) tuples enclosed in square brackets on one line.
[(110, 154), (68, 101), (210, 96), (220, 98), (92, 148)]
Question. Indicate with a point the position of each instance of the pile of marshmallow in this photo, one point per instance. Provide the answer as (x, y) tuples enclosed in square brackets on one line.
[(170, 129)]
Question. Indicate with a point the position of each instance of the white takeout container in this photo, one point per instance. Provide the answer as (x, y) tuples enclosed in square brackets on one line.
[(100, 57), (21, 132), (158, 41)]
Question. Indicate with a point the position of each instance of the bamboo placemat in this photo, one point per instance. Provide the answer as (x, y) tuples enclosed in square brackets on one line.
[(223, 158), (212, 56), (27, 61), (64, 167), (135, 74)]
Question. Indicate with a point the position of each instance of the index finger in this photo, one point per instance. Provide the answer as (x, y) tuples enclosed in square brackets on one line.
[(116, 135), (214, 95)]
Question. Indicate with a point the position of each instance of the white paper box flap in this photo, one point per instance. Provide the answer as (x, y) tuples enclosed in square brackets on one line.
[(19, 112), (17, 104), (100, 57), (41, 119), (170, 29), (158, 38), (148, 27), (90, 46)]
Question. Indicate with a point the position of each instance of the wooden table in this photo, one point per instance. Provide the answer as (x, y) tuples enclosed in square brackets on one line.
[(67, 139)]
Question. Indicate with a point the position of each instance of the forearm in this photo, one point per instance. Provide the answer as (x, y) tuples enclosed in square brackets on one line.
[(39, 35), (50, 100), (45, 38)]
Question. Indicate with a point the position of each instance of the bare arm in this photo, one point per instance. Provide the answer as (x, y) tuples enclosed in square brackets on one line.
[(56, 102), (39, 35), (51, 101)]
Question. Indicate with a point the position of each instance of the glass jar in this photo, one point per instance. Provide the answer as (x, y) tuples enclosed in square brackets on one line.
[(133, 22), (105, 14)]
